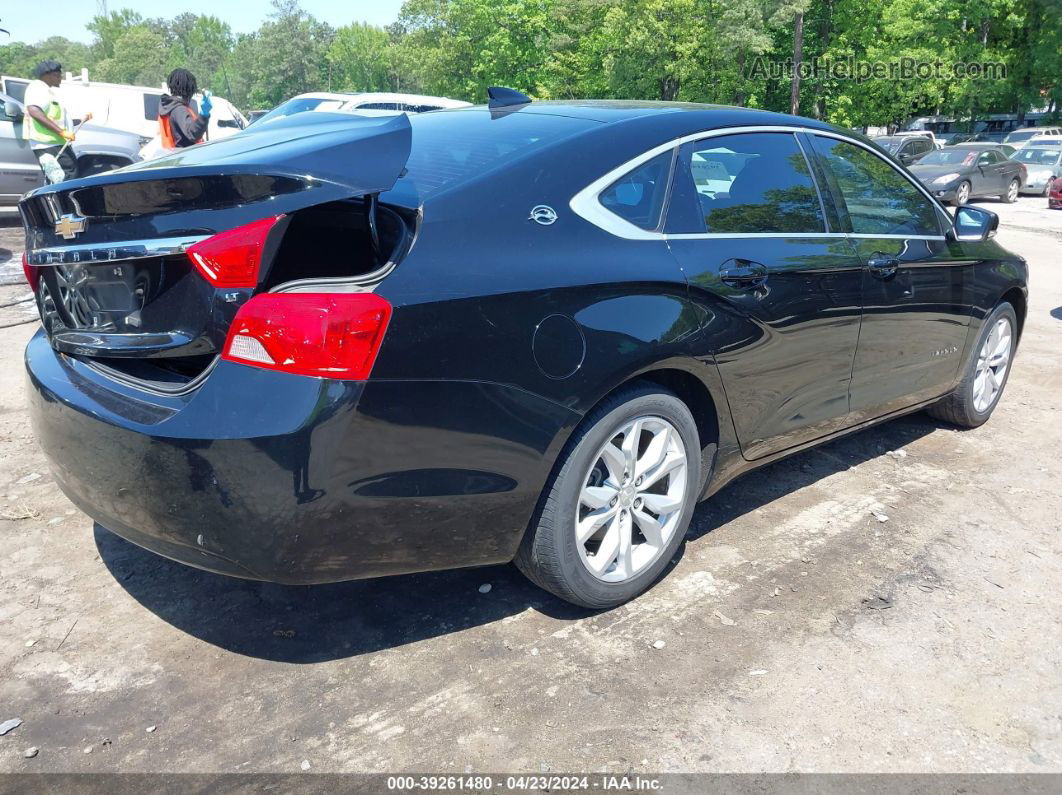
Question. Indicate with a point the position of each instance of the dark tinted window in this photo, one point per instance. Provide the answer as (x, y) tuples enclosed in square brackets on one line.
[(638, 196), (457, 146), (750, 183), (878, 199), (990, 157), (377, 106), (151, 106), (16, 89)]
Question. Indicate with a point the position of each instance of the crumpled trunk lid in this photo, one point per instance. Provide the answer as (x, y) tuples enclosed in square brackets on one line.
[(109, 251)]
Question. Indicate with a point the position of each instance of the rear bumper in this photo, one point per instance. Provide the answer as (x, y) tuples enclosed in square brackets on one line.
[(297, 480)]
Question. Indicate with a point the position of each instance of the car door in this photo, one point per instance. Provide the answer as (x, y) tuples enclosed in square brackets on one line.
[(782, 293), (994, 176), (19, 171), (916, 283)]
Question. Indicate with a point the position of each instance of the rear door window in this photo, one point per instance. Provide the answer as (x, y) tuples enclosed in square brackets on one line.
[(746, 183), (877, 198)]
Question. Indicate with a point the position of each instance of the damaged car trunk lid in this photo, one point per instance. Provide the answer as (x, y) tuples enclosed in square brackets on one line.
[(153, 261)]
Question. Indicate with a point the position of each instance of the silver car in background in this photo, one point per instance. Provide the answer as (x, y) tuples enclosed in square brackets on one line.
[(1044, 166), (96, 148)]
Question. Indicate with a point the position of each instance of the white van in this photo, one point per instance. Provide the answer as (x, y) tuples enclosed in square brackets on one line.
[(131, 108)]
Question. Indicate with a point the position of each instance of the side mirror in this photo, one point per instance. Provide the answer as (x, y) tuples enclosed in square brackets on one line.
[(13, 111), (974, 223)]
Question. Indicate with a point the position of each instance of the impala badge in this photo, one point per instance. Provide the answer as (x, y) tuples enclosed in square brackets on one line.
[(70, 226), (543, 214)]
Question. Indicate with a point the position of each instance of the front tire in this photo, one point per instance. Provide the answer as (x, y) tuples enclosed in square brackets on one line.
[(619, 503), (962, 193), (972, 402)]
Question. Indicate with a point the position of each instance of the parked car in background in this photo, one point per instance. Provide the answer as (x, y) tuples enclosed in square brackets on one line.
[(1043, 165), (957, 174), (1006, 149), (1054, 198), (131, 108), (97, 149), (1023, 135), (365, 104), (337, 347), (1045, 140), (950, 139), (905, 148), (255, 115)]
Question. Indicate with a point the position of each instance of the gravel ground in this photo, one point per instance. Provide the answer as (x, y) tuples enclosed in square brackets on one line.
[(800, 632)]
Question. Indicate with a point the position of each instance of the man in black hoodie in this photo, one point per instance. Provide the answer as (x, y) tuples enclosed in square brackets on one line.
[(179, 124)]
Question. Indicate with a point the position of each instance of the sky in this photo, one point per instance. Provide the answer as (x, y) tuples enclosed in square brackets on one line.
[(34, 21)]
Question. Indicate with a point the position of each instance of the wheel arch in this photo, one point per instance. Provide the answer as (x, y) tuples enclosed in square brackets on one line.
[(707, 405), (1015, 296)]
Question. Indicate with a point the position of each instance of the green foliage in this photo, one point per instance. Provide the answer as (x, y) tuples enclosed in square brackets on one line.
[(692, 50), (361, 59)]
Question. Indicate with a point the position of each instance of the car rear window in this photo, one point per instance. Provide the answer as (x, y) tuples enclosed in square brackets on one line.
[(454, 147), (1039, 157)]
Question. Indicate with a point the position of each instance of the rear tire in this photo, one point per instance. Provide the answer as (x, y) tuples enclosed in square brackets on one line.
[(972, 402), (632, 521), (1013, 189)]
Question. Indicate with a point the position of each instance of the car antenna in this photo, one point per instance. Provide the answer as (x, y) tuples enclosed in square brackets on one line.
[(501, 97)]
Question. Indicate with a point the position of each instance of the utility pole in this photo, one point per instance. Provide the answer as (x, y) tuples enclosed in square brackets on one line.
[(101, 7)]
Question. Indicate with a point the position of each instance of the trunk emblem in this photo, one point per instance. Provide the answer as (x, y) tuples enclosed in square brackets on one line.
[(543, 214), (70, 226)]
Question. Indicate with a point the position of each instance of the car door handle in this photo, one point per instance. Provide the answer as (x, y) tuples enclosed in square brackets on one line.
[(743, 274), (882, 265)]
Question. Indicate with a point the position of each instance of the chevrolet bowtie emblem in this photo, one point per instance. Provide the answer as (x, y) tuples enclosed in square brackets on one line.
[(70, 226)]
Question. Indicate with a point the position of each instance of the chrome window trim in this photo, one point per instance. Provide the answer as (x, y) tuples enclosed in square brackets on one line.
[(586, 205), (125, 250)]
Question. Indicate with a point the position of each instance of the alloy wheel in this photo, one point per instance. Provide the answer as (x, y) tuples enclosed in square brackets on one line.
[(1012, 191), (963, 194), (992, 364), (632, 499)]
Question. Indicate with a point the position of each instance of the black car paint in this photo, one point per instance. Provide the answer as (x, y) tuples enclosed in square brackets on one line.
[(439, 459)]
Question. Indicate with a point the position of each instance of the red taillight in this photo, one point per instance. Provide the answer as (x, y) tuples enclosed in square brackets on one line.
[(33, 275), (231, 258), (333, 335)]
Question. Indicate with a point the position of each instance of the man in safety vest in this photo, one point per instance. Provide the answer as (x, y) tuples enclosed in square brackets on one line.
[(45, 126), (179, 125)]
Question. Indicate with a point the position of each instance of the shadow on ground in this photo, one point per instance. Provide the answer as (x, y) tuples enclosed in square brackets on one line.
[(307, 624)]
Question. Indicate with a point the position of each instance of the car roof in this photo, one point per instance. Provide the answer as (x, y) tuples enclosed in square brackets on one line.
[(695, 114), (418, 99), (322, 95)]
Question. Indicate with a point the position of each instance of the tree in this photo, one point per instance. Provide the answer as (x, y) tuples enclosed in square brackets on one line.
[(362, 59), (139, 59), (287, 56), (109, 29)]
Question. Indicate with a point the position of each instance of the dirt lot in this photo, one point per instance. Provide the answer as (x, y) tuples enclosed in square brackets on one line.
[(802, 634)]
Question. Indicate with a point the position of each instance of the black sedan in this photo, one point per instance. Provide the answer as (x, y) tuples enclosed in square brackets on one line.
[(340, 347), (959, 173)]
